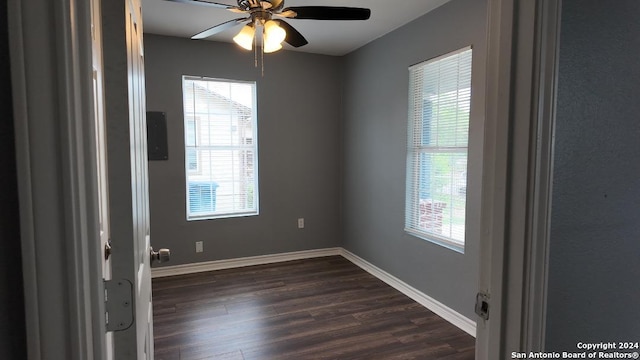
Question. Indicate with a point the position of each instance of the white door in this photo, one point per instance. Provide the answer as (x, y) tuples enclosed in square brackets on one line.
[(127, 169), (101, 149)]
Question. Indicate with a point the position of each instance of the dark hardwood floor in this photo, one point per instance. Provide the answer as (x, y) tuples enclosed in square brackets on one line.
[(322, 308)]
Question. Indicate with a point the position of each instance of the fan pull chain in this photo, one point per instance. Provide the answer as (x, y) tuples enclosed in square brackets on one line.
[(262, 57), (255, 46), (262, 52)]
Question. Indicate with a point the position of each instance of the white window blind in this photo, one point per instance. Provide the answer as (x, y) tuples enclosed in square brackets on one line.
[(221, 161), (439, 104)]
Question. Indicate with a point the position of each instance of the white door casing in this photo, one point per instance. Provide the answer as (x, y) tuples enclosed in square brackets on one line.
[(521, 77), (53, 100), (101, 156), (127, 163)]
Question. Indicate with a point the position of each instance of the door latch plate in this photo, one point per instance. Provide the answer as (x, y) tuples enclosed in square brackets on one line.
[(107, 249), (482, 305)]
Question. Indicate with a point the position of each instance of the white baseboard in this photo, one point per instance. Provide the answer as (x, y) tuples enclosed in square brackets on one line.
[(465, 324), (241, 262)]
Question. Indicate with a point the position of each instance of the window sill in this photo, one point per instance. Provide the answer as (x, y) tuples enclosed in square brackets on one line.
[(438, 240), (221, 216)]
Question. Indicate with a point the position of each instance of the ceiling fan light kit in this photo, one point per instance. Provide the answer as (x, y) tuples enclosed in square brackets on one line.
[(274, 32)]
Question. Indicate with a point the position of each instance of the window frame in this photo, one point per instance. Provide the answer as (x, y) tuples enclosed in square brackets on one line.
[(253, 148), (413, 202)]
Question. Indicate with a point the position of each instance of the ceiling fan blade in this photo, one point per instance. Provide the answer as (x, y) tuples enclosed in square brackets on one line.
[(220, 28), (210, 3), (326, 13), (293, 38)]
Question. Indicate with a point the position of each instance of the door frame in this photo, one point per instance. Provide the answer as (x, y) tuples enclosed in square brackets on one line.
[(50, 50), (59, 211), (523, 39)]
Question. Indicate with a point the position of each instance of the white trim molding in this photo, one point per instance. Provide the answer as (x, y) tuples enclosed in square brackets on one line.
[(517, 183), (241, 262), (462, 322), (543, 117)]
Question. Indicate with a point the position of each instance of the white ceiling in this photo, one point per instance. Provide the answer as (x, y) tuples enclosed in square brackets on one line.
[(325, 37)]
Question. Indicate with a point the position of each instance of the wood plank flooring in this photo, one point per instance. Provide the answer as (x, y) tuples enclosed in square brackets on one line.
[(322, 308)]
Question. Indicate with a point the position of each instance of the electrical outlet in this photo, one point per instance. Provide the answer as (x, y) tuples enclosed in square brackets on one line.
[(301, 223), (199, 248)]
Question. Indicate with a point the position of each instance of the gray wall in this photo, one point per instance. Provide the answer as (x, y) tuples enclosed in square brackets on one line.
[(594, 272), (299, 155), (12, 329), (375, 138)]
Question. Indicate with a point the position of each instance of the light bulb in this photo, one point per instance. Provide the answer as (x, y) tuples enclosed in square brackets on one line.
[(274, 32), (274, 35), (271, 47), (245, 37)]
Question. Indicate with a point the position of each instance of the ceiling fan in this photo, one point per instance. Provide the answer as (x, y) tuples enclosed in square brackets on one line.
[(274, 31)]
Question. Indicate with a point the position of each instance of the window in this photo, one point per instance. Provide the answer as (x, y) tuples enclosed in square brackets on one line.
[(439, 104), (221, 163)]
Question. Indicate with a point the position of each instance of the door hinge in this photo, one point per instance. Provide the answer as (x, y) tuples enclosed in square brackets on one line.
[(118, 304), (482, 305)]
